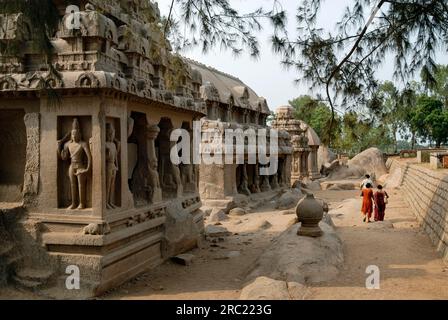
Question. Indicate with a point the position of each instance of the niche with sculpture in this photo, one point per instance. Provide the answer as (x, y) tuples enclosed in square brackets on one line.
[(113, 172), (170, 175), (188, 171), (139, 183), (74, 150)]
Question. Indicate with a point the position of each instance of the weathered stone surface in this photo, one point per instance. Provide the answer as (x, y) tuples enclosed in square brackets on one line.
[(264, 288), (341, 185), (218, 215), (31, 183), (304, 260), (228, 255), (370, 161), (325, 155), (263, 225), (426, 192), (181, 232), (289, 199), (183, 259), (237, 212), (216, 231), (207, 210), (311, 185)]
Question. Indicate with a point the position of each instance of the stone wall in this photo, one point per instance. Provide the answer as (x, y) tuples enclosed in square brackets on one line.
[(426, 192)]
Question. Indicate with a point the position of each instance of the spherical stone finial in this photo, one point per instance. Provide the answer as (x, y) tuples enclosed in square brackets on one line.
[(309, 212)]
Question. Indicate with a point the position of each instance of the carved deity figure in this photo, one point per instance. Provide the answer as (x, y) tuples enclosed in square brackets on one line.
[(78, 152), (112, 151), (154, 180)]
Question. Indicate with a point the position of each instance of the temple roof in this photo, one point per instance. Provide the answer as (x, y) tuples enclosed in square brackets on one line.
[(313, 138), (228, 89)]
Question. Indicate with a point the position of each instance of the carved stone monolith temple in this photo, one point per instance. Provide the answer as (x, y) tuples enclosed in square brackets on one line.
[(86, 181)]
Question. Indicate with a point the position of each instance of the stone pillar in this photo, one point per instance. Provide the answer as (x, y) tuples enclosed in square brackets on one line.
[(265, 185), (151, 134), (295, 170), (32, 166), (256, 187), (244, 186), (314, 172), (304, 164), (274, 182)]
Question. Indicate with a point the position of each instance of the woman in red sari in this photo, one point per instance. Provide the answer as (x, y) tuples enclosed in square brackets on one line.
[(380, 198), (367, 202)]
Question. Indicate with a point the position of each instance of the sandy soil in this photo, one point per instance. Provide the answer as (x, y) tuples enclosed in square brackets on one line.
[(409, 265)]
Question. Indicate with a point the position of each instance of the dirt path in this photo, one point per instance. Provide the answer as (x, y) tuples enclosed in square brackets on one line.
[(409, 265), (410, 268)]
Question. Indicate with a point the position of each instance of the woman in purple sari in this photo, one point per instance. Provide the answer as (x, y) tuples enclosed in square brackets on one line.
[(380, 198)]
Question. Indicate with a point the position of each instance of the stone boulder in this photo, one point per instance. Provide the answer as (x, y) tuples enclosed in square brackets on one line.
[(304, 260), (393, 179), (325, 155), (311, 185), (237, 212), (289, 199), (181, 232), (329, 167), (218, 215), (212, 231), (370, 161), (341, 185), (264, 288)]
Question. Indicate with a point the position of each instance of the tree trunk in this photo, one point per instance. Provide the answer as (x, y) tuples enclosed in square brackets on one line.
[(394, 129), (413, 141)]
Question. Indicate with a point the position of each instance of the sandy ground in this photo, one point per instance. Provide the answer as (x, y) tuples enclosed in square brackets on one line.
[(409, 265)]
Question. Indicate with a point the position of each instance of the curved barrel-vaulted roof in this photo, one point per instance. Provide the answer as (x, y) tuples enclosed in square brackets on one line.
[(223, 88), (313, 138)]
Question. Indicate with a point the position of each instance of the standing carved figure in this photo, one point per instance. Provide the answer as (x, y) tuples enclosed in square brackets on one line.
[(78, 152), (112, 151)]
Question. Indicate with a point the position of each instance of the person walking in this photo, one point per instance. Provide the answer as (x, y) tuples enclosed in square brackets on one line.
[(381, 199), (367, 202), (367, 180)]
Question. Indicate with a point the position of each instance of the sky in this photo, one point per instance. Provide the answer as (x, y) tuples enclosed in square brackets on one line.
[(265, 75)]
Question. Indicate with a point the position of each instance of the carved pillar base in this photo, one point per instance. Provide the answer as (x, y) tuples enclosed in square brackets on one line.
[(265, 186), (274, 183)]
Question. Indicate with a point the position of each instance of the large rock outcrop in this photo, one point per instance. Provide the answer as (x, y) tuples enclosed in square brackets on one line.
[(325, 156), (297, 260), (370, 161)]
